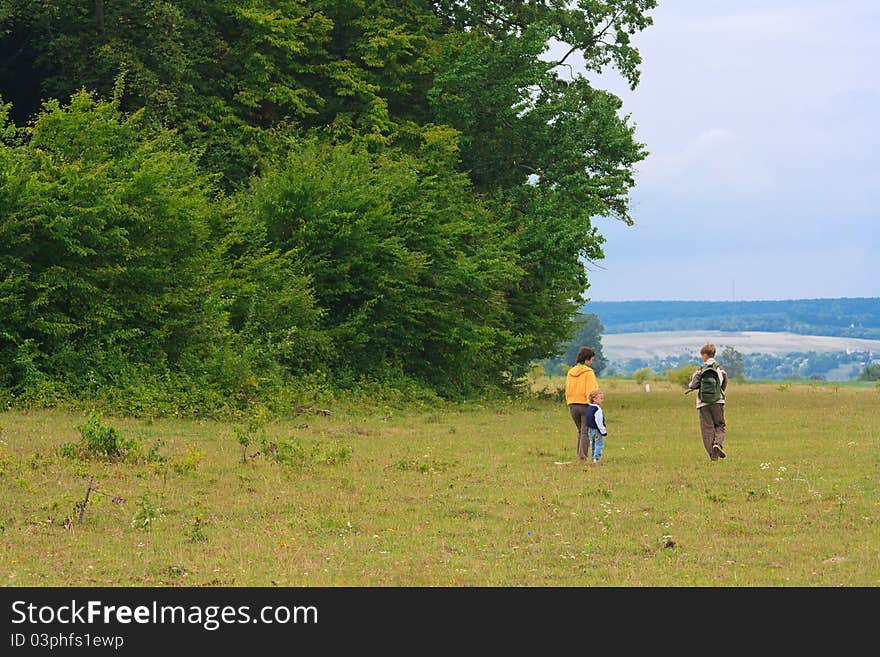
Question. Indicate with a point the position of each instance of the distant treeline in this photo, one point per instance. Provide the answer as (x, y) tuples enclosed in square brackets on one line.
[(843, 317), (812, 365)]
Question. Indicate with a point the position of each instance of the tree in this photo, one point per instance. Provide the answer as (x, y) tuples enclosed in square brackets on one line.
[(408, 270), (588, 331), (870, 373), (643, 374), (103, 247), (233, 77), (412, 183), (551, 151), (733, 363)]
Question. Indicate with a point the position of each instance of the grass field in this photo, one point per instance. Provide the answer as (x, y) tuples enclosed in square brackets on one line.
[(477, 496)]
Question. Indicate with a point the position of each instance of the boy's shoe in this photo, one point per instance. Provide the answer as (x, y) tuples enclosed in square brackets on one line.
[(718, 450)]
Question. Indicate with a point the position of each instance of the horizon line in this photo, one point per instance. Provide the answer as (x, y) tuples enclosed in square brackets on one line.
[(726, 300)]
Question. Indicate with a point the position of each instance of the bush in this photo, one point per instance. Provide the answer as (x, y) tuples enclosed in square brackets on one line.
[(681, 376), (104, 248), (99, 441), (296, 453), (409, 273), (643, 375)]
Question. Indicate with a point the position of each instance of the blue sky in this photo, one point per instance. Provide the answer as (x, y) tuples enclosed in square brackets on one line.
[(763, 124)]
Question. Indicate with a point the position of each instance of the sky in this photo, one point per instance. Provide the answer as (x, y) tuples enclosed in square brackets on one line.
[(762, 122)]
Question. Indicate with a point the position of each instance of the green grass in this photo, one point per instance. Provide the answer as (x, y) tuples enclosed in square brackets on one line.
[(458, 497)]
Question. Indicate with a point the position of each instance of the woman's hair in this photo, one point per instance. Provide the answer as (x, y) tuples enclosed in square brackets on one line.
[(585, 354)]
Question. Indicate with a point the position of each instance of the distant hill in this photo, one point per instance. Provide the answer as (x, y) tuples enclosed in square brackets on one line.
[(857, 317)]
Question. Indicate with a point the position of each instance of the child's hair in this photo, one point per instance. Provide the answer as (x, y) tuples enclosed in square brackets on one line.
[(708, 349), (584, 354), (595, 395)]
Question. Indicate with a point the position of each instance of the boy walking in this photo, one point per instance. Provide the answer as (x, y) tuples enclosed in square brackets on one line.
[(580, 381), (710, 382)]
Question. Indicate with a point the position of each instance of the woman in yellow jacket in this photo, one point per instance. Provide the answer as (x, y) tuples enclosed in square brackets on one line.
[(579, 383)]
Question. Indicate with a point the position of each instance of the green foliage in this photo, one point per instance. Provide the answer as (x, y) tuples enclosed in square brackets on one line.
[(146, 513), (643, 375), (428, 466), (298, 453), (188, 462), (870, 373), (285, 199), (733, 363), (270, 304), (680, 376), (197, 531), (248, 434), (153, 455), (587, 333), (408, 272), (551, 151), (8, 131), (100, 441), (231, 75), (103, 245)]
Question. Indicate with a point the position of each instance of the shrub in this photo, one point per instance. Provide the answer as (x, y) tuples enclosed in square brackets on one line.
[(189, 462), (146, 513), (105, 250), (295, 452), (643, 375), (680, 376), (99, 441)]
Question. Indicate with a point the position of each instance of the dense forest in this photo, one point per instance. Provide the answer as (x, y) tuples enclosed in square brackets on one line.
[(208, 205), (843, 317)]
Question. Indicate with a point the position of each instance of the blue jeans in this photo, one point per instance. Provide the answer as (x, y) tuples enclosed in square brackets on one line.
[(597, 442)]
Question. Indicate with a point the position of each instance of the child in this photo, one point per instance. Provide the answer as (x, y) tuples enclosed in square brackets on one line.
[(710, 382), (596, 424)]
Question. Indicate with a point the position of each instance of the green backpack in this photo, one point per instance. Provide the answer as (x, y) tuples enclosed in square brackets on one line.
[(710, 384)]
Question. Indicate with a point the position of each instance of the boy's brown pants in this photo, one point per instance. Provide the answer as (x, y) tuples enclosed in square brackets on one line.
[(712, 425)]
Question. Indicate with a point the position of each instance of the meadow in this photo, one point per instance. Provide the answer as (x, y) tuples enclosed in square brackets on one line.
[(476, 495)]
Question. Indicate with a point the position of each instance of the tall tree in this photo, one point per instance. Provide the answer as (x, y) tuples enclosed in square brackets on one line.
[(550, 150), (733, 362), (408, 270), (233, 76)]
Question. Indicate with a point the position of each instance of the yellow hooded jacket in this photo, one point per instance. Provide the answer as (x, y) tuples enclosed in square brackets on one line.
[(579, 383)]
